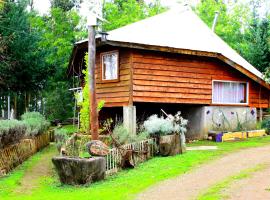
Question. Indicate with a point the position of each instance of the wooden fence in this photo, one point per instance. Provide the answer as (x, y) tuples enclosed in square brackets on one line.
[(143, 151), (14, 155)]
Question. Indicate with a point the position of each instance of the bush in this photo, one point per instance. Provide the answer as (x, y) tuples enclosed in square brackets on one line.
[(29, 115), (11, 131), (121, 134), (266, 125), (85, 106), (165, 126), (61, 136), (35, 122)]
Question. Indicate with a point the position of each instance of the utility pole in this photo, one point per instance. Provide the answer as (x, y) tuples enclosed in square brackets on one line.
[(92, 22)]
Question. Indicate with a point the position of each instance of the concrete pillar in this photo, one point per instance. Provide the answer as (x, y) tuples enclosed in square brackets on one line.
[(129, 118)]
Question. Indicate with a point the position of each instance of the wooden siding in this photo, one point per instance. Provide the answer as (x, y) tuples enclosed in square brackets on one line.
[(115, 93), (173, 78)]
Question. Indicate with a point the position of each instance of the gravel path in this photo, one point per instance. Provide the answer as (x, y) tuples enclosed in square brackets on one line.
[(190, 185)]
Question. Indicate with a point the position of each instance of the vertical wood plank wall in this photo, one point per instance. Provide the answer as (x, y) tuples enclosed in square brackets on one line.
[(173, 78)]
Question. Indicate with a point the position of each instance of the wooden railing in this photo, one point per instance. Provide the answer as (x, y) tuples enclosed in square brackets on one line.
[(13, 155), (142, 151)]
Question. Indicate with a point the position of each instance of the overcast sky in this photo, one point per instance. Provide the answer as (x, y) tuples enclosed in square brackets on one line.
[(42, 6)]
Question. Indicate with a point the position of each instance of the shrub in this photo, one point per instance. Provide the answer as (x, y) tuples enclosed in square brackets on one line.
[(155, 125), (29, 115), (122, 135), (85, 104), (11, 131), (61, 136), (266, 124), (35, 122)]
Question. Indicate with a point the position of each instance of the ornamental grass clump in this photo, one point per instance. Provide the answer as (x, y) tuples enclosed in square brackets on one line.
[(61, 136), (122, 135), (36, 123), (11, 131)]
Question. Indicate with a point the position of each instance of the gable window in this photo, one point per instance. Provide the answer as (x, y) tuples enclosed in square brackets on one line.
[(230, 92), (110, 66)]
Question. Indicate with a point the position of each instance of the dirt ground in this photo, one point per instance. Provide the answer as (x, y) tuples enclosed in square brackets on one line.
[(190, 185), (255, 187), (42, 168)]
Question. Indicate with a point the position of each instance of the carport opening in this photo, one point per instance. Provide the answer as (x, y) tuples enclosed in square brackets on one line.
[(191, 112)]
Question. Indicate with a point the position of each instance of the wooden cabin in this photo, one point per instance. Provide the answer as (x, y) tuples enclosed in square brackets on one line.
[(175, 62)]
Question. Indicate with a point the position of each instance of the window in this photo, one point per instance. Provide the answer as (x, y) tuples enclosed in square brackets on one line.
[(230, 92), (109, 66)]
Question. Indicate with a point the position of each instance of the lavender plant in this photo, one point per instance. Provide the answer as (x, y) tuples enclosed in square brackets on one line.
[(165, 126)]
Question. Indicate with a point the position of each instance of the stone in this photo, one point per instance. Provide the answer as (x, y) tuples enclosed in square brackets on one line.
[(97, 148), (79, 171), (169, 145)]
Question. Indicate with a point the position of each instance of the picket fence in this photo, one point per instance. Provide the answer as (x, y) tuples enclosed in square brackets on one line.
[(114, 158), (13, 155)]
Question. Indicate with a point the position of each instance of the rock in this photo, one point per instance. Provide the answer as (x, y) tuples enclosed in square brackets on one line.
[(97, 148), (79, 171), (169, 145)]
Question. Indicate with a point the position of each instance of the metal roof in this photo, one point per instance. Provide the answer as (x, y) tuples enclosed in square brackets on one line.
[(178, 28)]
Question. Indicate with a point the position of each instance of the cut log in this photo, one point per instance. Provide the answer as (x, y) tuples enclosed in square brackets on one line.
[(97, 148), (128, 159), (79, 171), (169, 145)]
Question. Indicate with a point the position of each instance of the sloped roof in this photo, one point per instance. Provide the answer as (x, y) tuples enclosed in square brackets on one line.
[(178, 28)]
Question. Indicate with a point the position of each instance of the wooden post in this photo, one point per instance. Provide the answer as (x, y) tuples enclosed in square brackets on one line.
[(92, 82)]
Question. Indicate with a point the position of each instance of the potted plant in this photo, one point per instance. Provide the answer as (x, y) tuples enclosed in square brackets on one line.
[(169, 132)]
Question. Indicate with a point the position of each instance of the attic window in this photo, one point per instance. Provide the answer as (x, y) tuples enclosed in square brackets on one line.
[(110, 66), (230, 92)]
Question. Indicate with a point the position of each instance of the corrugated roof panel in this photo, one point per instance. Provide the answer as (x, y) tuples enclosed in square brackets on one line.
[(178, 28)]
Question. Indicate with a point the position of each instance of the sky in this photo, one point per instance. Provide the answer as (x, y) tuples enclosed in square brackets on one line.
[(42, 6)]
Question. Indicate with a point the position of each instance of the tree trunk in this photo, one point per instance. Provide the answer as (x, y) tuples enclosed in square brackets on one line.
[(78, 171), (169, 145), (15, 106)]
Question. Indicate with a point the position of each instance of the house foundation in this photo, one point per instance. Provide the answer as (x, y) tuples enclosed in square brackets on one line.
[(220, 118)]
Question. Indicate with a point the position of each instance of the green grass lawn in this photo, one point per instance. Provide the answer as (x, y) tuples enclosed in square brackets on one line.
[(70, 128), (126, 184)]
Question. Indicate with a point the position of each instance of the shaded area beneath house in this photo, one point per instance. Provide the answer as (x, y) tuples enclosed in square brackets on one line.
[(202, 118)]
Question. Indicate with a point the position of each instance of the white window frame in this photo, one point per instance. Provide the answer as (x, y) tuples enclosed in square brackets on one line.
[(102, 66), (226, 81)]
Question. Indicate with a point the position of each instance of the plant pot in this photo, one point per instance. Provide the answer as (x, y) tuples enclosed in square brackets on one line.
[(79, 171), (169, 145)]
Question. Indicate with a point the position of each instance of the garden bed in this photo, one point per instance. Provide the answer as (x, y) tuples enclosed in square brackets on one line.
[(240, 135), (114, 158), (13, 155)]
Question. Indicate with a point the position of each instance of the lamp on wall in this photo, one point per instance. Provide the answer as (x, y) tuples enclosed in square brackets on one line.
[(103, 36)]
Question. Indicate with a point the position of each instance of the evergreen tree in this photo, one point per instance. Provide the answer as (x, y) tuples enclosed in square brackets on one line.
[(259, 51)]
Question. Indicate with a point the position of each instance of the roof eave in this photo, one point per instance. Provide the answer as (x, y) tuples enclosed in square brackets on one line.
[(180, 51)]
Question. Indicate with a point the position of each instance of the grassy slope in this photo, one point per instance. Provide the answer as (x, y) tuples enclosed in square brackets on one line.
[(126, 184)]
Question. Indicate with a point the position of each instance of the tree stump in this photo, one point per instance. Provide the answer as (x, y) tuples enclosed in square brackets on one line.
[(97, 148), (169, 145), (79, 171)]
